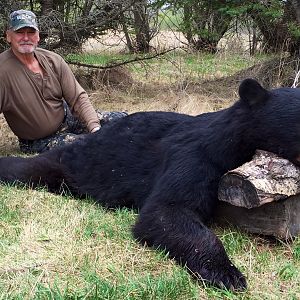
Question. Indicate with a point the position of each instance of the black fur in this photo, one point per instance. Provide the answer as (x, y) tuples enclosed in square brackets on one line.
[(168, 165)]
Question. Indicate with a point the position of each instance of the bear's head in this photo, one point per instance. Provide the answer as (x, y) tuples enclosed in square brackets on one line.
[(274, 118)]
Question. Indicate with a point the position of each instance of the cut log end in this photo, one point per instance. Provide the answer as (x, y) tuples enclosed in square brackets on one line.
[(237, 191)]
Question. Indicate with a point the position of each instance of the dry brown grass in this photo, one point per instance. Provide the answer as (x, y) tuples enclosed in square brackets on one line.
[(182, 96)]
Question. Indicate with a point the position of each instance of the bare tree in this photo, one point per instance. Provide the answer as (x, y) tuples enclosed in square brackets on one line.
[(68, 24), (6, 7), (136, 25)]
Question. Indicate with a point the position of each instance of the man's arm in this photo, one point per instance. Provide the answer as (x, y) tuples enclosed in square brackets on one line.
[(77, 98)]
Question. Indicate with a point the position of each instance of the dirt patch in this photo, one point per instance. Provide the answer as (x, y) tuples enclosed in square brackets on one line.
[(93, 79), (9, 142), (193, 99)]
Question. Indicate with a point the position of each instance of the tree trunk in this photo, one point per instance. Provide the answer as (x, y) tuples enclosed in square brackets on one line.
[(204, 25), (126, 33), (278, 36), (46, 7), (87, 7), (141, 25), (296, 8)]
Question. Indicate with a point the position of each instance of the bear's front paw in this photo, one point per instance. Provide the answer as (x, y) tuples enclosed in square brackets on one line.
[(222, 276)]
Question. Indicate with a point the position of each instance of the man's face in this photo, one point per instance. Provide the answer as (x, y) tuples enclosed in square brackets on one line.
[(24, 40)]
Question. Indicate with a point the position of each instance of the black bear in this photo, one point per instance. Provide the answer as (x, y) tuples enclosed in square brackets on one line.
[(168, 166)]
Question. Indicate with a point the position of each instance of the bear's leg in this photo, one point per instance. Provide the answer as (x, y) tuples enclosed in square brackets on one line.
[(40, 170), (179, 231)]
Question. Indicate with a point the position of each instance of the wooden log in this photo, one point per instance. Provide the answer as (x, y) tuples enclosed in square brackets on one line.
[(266, 178), (279, 218)]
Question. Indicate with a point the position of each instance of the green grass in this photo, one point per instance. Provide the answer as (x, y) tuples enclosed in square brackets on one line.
[(174, 66), (64, 248), (169, 19), (9, 218), (147, 287), (58, 247)]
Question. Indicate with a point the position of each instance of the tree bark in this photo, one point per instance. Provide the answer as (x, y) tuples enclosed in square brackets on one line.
[(277, 33), (266, 178), (141, 25), (296, 7), (46, 6), (262, 196)]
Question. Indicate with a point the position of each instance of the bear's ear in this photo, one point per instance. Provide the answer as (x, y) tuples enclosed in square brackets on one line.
[(252, 92)]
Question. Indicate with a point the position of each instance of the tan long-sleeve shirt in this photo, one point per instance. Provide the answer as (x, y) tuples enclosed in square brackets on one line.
[(33, 104)]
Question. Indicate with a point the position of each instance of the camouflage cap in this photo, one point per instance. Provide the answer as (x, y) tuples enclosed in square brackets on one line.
[(22, 18)]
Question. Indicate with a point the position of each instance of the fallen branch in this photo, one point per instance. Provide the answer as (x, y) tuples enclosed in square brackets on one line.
[(113, 65), (295, 84)]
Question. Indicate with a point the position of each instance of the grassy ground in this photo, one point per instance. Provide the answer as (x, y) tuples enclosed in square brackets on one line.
[(58, 247)]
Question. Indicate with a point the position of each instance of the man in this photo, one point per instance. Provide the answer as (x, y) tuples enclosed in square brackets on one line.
[(40, 98)]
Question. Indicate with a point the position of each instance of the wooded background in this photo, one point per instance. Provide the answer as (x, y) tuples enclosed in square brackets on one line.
[(270, 25)]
